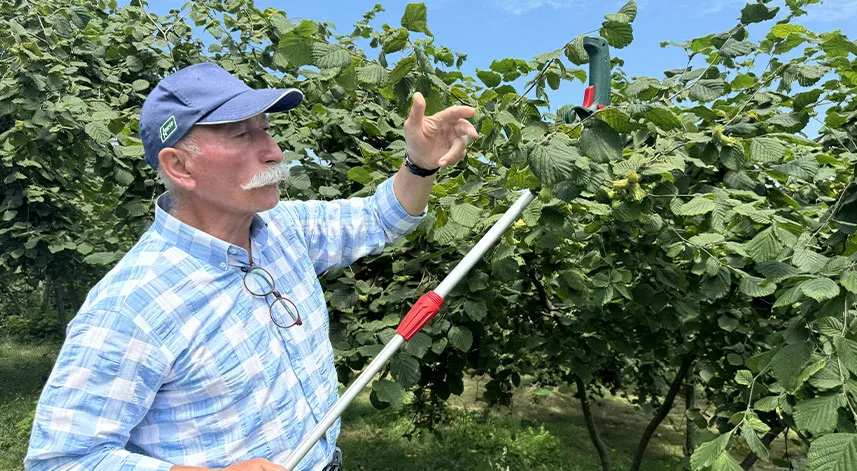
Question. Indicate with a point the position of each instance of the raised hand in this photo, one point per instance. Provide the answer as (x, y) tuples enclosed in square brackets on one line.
[(438, 140)]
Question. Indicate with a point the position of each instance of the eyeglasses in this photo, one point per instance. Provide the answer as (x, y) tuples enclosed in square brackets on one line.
[(259, 282)]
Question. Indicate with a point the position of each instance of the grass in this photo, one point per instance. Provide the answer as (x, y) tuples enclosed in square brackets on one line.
[(534, 433), (23, 371)]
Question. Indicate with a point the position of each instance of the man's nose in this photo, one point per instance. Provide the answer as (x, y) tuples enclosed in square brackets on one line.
[(273, 154)]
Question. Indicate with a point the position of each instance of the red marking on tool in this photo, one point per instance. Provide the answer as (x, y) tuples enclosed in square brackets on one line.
[(423, 311)]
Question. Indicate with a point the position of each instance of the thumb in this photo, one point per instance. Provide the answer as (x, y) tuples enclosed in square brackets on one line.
[(418, 110)]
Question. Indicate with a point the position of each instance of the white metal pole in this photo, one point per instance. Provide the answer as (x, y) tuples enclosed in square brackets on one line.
[(396, 342)]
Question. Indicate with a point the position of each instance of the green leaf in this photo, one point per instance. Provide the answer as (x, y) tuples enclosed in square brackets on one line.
[(782, 30), (629, 9), (388, 392), (764, 246), (766, 404), (717, 286), (296, 50), (617, 34), (818, 415), (808, 261), (554, 162), (753, 443), (725, 462), (100, 258), (744, 377), (406, 370), (848, 280), (708, 238), (742, 81), (789, 122), (575, 52), (696, 207), (805, 99), (98, 132), (756, 287), (395, 41), (827, 377), (708, 452), (465, 214), (707, 90), (402, 68), (600, 142), (139, 85), (373, 75), (734, 48), (776, 271), (663, 118), (834, 452), (788, 363), (461, 338), (476, 310), (84, 248), (414, 18), (329, 56), (820, 289), (418, 345), (757, 12), (830, 326), (359, 175), (489, 78), (804, 168), (766, 149), (847, 351), (616, 119)]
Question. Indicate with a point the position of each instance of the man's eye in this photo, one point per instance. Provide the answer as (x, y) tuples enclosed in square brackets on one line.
[(241, 135)]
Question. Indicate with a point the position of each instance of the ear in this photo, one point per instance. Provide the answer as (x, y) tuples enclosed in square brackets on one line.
[(176, 164)]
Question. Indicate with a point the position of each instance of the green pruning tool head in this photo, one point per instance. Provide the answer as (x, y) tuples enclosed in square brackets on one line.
[(597, 94)]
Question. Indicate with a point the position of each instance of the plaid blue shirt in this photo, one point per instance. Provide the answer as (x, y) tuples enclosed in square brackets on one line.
[(171, 361)]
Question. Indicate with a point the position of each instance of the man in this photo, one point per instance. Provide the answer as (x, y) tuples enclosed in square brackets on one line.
[(207, 345)]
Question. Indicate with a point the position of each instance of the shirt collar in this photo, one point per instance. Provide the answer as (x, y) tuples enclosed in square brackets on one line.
[(202, 245)]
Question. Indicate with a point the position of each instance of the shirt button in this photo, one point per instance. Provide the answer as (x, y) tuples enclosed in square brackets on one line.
[(222, 264), (232, 250)]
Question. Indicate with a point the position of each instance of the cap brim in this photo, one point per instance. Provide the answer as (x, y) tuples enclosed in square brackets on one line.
[(253, 102)]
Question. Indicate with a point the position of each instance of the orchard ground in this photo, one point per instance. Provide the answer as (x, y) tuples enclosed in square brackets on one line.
[(535, 433)]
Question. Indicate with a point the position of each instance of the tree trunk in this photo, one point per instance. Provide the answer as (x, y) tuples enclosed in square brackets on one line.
[(662, 411), (46, 290), (60, 303), (769, 437), (603, 452), (75, 298), (690, 403)]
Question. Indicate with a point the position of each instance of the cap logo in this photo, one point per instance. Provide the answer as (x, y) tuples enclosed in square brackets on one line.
[(168, 128)]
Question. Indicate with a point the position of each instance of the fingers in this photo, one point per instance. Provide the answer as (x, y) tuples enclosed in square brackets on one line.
[(418, 111), (453, 114), (456, 152), (465, 128)]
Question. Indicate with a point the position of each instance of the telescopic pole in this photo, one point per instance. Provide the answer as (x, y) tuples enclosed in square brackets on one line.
[(420, 314)]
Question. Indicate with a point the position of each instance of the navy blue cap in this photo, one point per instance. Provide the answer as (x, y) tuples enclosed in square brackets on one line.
[(203, 94)]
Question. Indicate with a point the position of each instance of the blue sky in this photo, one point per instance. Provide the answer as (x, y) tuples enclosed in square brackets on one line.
[(494, 29)]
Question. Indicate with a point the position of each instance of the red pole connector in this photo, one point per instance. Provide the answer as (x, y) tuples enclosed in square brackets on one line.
[(423, 311)]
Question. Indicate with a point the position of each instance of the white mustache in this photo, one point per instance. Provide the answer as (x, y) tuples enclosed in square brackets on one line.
[(271, 175)]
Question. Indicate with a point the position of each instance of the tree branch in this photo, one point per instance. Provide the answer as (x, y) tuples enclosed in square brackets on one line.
[(662, 411), (600, 446)]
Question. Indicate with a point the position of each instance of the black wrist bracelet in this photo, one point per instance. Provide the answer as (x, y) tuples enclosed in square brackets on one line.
[(416, 169)]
